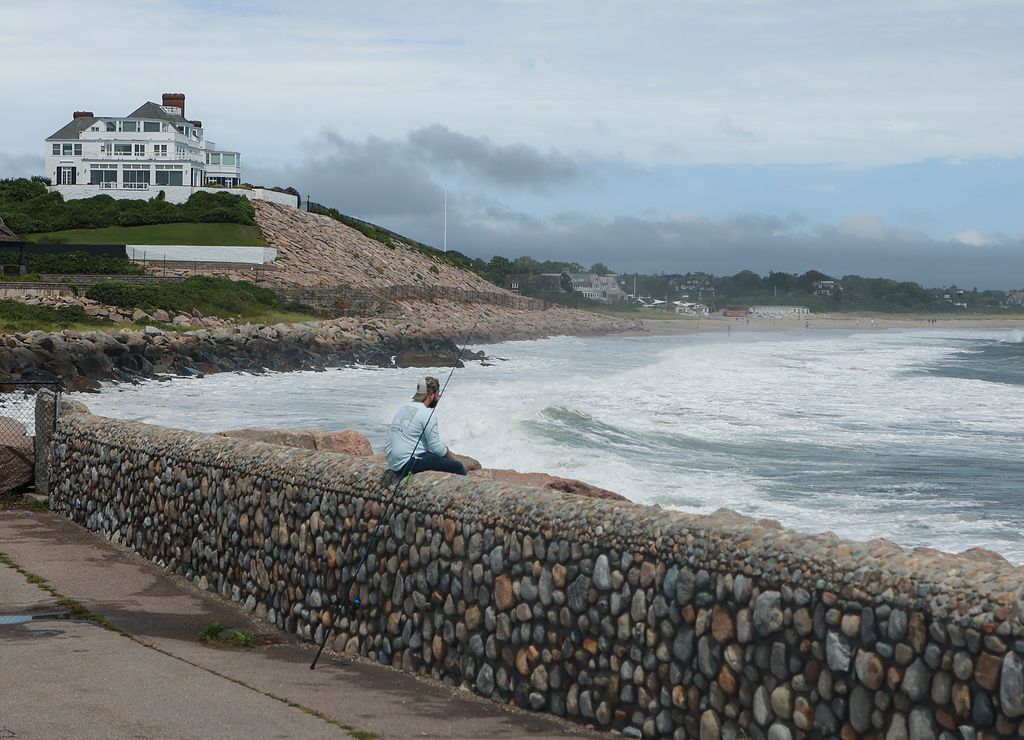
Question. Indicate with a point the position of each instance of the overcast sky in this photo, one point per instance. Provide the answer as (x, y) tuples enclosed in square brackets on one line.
[(881, 137)]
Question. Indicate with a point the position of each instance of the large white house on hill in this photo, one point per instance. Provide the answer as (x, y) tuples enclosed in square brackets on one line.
[(153, 148)]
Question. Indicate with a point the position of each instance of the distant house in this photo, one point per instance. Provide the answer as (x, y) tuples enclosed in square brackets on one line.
[(600, 288), (1015, 298), (825, 287), (737, 311), (700, 283), (515, 283), (686, 308), (952, 295), (778, 312)]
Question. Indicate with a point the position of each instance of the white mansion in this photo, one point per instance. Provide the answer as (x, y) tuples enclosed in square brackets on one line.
[(151, 149)]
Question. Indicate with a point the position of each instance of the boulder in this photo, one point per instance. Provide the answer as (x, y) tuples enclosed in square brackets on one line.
[(17, 455), (348, 441), (550, 482), (470, 463)]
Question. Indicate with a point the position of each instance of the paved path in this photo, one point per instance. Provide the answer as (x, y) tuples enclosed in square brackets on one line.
[(151, 677)]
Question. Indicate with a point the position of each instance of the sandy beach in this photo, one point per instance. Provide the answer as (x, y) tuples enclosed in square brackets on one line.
[(671, 325)]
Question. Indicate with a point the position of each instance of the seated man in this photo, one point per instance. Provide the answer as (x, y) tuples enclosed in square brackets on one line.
[(413, 443)]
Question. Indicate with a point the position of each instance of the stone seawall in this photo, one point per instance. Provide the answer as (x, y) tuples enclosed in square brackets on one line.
[(623, 616)]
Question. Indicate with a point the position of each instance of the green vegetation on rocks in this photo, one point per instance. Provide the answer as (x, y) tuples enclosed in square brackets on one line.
[(28, 207), (211, 296), (73, 263), (21, 317), (204, 234)]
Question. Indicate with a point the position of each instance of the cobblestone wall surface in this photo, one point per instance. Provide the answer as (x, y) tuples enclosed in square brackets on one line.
[(626, 617)]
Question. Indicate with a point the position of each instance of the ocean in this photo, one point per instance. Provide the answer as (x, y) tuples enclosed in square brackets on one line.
[(911, 435)]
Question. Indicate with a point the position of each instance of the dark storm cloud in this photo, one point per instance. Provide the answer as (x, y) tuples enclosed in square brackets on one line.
[(513, 165), (393, 177)]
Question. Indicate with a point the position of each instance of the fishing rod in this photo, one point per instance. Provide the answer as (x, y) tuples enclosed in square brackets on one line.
[(404, 477)]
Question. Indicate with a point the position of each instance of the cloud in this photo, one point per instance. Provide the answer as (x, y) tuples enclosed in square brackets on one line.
[(515, 165), (970, 237), (869, 82), (20, 165), (395, 182)]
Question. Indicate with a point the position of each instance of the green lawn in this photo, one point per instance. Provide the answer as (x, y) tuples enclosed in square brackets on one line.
[(207, 235)]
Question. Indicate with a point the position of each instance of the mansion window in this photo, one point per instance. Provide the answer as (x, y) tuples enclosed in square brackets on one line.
[(169, 175), (140, 150), (213, 158), (111, 125), (135, 177), (67, 150), (122, 150), (230, 159), (130, 126), (56, 149), (104, 175), (152, 127), (66, 175), (159, 150)]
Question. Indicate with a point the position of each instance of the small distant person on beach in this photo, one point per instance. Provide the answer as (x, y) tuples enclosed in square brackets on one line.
[(414, 443)]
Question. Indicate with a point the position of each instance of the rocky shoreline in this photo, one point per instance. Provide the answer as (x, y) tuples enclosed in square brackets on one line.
[(429, 335)]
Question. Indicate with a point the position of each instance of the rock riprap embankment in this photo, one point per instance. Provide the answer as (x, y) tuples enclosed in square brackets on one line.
[(80, 360), (317, 251), (651, 622)]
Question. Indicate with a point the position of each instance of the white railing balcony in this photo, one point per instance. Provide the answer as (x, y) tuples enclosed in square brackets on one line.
[(136, 186), (108, 186)]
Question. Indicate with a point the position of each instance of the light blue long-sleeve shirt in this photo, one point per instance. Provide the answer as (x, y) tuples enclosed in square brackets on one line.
[(405, 431)]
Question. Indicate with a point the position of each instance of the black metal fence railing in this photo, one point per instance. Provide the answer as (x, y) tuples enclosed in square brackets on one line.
[(93, 279), (340, 301), (461, 295)]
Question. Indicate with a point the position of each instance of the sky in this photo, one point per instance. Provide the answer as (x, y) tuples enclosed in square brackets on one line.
[(881, 138)]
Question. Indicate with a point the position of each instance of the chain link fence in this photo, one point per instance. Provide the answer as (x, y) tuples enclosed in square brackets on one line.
[(18, 431)]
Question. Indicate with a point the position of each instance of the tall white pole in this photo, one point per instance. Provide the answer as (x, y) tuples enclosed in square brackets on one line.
[(446, 219)]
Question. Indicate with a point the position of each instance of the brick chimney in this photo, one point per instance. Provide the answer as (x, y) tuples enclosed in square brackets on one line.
[(175, 99), (83, 114)]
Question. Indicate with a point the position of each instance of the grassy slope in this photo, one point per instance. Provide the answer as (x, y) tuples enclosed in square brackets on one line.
[(19, 317), (202, 234)]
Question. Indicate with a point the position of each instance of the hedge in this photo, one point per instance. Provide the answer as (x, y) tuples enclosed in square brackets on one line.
[(27, 207)]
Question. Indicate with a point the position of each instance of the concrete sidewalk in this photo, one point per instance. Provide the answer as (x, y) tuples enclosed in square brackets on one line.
[(152, 677)]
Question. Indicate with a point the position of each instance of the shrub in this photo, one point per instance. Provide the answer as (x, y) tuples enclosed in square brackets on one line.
[(73, 263), (27, 207), (212, 296)]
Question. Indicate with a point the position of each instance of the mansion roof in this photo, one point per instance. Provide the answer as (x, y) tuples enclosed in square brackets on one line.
[(148, 110)]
